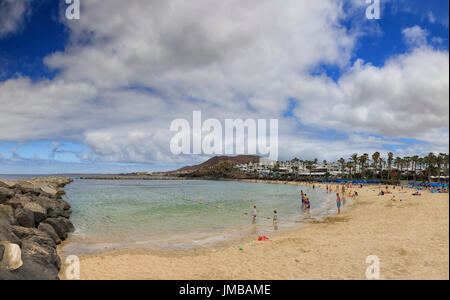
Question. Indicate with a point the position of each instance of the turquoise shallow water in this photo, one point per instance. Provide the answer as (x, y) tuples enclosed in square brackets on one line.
[(182, 213), (174, 214)]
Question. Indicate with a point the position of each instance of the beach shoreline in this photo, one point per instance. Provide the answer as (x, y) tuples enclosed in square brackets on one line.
[(409, 237)]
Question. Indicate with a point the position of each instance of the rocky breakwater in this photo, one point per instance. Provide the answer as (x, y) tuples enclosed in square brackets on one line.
[(34, 219)]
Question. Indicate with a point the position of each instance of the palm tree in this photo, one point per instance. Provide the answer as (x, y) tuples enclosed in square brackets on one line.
[(375, 158), (389, 161), (355, 159), (382, 166), (446, 164), (398, 163), (439, 162), (430, 160), (296, 162), (422, 164), (403, 166), (415, 159), (363, 160), (350, 167), (407, 160), (342, 162), (309, 165)]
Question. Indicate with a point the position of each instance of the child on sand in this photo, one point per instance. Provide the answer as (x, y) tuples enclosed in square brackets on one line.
[(275, 216)]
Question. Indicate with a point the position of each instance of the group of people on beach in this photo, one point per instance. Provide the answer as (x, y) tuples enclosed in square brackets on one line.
[(343, 189), (340, 189), (306, 203), (254, 213)]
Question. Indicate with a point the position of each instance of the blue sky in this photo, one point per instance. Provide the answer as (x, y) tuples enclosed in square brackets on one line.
[(23, 52), (123, 128)]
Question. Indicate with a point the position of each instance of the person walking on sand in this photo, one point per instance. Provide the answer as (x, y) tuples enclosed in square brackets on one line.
[(338, 203)]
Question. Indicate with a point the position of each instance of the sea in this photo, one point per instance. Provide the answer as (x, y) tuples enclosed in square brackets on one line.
[(178, 214)]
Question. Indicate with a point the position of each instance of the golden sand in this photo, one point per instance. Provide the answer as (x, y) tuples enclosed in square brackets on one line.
[(410, 238)]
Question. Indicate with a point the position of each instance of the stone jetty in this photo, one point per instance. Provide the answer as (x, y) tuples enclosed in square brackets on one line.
[(34, 219)]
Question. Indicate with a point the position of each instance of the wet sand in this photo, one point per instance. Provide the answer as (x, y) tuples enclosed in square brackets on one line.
[(410, 238)]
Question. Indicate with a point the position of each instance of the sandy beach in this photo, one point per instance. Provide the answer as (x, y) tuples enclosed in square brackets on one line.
[(411, 239)]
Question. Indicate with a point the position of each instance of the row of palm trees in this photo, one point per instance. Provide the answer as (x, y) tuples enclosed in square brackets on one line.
[(387, 168)]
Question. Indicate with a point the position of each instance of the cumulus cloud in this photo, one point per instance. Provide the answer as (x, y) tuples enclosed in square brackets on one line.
[(132, 67), (415, 36), (404, 98), (12, 15)]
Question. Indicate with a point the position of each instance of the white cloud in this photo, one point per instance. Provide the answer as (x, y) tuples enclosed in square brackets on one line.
[(146, 63), (415, 36), (431, 17), (407, 97), (12, 15)]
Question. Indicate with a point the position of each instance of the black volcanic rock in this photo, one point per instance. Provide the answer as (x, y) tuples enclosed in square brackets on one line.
[(48, 229), (5, 194), (18, 201), (59, 226), (32, 269), (41, 252), (54, 207), (6, 235), (24, 205), (33, 234), (24, 217)]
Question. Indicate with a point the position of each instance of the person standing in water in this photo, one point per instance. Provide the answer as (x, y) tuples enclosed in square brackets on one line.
[(338, 203), (303, 200), (307, 203), (275, 220), (275, 216), (254, 213)]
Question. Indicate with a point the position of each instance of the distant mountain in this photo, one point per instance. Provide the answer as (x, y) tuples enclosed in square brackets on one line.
[(217, 160)]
